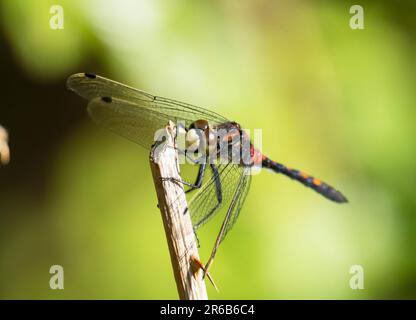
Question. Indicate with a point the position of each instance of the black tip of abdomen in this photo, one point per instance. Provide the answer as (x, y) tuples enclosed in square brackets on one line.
[(339, 197)]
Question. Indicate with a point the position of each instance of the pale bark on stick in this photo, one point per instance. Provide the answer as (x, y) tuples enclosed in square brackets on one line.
[(176, 219), (4, 147)]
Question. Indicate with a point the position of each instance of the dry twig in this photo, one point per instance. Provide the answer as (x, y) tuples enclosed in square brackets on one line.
[(176, 219)]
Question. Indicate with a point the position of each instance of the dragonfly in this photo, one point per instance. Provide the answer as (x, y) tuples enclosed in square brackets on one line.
[(137, 115)]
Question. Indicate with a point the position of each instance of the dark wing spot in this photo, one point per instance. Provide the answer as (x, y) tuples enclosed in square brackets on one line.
[(90, 75), (107, 99)]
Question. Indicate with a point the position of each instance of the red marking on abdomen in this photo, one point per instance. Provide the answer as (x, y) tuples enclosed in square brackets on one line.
[(256, 156)]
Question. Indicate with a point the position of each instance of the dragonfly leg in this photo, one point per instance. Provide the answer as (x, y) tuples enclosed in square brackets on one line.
[(199, 178), (190, 158), (218, 188), (193, 186), (218, 193), (198, 243)]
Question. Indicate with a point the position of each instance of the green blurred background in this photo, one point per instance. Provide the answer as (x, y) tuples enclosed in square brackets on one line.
[(335, 102)]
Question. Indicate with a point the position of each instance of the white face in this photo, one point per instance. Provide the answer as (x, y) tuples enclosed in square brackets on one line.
[(196, 140), (193, 139)]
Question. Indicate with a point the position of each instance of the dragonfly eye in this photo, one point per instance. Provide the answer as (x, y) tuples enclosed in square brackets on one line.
[(199, 124)]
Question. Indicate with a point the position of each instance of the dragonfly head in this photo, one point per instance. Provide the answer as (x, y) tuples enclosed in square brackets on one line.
[(200, 136)]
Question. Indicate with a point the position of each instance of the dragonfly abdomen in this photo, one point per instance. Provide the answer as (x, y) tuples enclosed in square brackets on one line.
[(319, 186)]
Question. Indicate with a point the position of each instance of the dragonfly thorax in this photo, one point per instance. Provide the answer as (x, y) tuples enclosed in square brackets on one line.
[(224, 142)]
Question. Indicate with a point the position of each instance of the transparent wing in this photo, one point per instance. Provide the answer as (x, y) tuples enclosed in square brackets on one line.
[(237, 202), (133, 113), (235, 183), (127, 119)]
